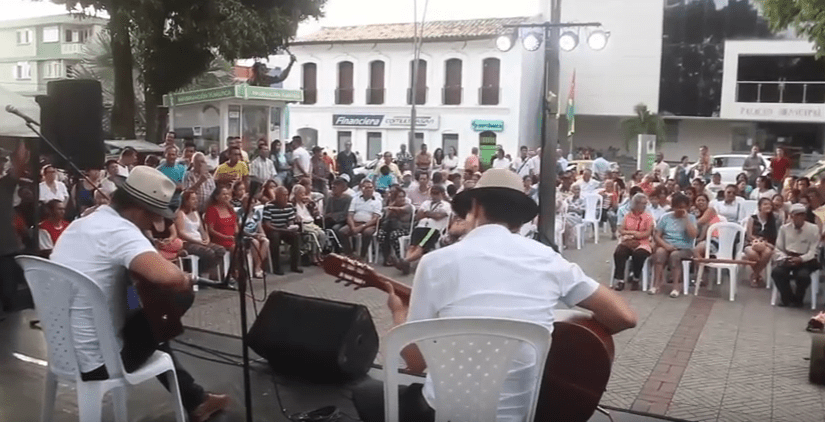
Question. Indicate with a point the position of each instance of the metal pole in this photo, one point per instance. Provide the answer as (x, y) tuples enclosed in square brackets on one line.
[(549, 130)]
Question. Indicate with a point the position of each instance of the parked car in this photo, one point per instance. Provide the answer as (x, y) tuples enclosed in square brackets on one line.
[(728, 166), (143, 148)]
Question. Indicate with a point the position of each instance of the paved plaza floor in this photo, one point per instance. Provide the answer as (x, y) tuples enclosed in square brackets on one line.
[(697, 358)]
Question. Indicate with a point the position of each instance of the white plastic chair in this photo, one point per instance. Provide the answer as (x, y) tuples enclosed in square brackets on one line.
[(53, 286), (592, 216), (727, 236), (814, 290), (561, 226), (645, 271), (468, 360), (404, 241)]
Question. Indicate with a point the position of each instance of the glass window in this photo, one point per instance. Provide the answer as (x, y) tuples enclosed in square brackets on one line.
[(343, 95), (52, 69), (421, 82), (490, 77), (310, 87), (23, 70), (373, 144), (452, 82), (375, 92), (51, 34), (254, 126), (234, 128), (24, 36)]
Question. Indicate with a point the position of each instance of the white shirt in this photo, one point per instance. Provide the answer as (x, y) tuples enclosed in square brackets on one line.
[(364, 209), (473, 279), (600, 166), (263, 168), (522, 167), (714, 188), (756, 195), (501, 163), (664, 170), (415, 195), (301, 156), (122, 171), (733, 212), (588, 187), (212, 163), (563, 163), (535, 164), (449, 163), (108, 243), (60, 192), (441, 206), (107, 186)]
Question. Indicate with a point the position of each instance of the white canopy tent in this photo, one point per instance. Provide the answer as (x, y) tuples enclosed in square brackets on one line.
[(11, 125)]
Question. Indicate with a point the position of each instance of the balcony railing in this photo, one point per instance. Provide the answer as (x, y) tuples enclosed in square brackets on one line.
[(420, 95), (310, 96), (343, 96), (375, 95), (451, 95), (71, 48), (489, 95), (789, 92)]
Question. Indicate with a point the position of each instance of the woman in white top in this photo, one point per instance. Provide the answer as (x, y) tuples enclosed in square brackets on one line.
[(501, 161), (195, 236), (732, 206), (450, 162), (50, 187), (764, 189)]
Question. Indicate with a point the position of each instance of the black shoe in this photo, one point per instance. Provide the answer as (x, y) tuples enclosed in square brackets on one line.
[(619, 286), (278, 271), (297, 270)]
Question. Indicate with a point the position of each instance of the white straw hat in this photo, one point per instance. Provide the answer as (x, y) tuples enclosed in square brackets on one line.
[(150, 189), (508, 185)]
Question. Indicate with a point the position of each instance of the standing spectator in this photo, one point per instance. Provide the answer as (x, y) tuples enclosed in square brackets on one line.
[(535, 163), (600, 166), (387, 162), (169, 139), (320, 171), (221, 219), (561, 162), (396, 223), (796, 257), (283, 166), (521, 165), (330, 162), (195, 236), (364, 211), (347, 160), (423, 160), (472, 164), (500, 161), (175, 172), (199, 180), (212, 160), (336, 206), (682, 174), (128, 158), (761, 235), (51, 188), (232, 170), (233, 142), (438, 159), (433, 218), (404, 158), (262, 166), (188, 152), (704, 166), (661, 166), (780, 165), (636, 230), (301, 164), (83, 194), (753, 165), (54, 224), (280, 225), (715, 184), (450, 162), (675, 234), (419, 192)]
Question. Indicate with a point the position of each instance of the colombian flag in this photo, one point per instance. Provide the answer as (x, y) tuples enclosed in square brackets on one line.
[(571, 107)]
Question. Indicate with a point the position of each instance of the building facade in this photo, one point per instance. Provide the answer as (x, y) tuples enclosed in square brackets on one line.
[(357, 84), (713, 69), (35, 51)]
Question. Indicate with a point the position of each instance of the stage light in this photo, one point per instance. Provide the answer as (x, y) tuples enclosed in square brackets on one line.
[(568, 41), (598, 39), (504, 42), (531, 41)]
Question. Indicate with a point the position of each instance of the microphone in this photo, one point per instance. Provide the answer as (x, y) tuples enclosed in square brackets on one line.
[(13, 110)]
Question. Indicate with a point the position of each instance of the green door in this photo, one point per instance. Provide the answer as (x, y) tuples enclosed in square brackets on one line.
[(486, 149)]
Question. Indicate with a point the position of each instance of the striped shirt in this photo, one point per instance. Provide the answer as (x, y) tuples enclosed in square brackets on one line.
[(279, 217)]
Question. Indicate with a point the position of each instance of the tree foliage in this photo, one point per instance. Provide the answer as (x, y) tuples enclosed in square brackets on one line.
[(807, 17), (643, 123)]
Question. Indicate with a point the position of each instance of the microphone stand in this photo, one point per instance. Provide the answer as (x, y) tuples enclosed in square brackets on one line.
[(239, 260)]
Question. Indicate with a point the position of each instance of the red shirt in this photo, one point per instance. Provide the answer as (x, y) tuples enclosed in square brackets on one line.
[(54, 230), (225, 226), (779, 168)]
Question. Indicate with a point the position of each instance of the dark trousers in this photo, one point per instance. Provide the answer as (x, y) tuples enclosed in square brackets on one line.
[(10, 276), (620, 256), (138, 346), (801, 274), (368, 398), (293, 239)]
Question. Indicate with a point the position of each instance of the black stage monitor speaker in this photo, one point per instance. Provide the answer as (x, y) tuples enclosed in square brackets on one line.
[(71, 117), (315, 339)]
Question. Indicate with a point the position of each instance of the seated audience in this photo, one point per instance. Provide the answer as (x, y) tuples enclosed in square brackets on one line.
[(384, 180), (795, 254), (634, 241), (307, 213), (744, 188), (575, 211), (83, 194), (254, 233), (610, 203), (658, 202), (764, 189), (362, 219), (199, 180), (587, 183), (760, 235), (234, 169), (50, 187), (715, 184), (53, 225), (706, 216), (433, 218), (195, 236), (395, 224), (100, 199), (731, 208), (165, 238), (279, 223), (336, 207), (624, 208), (221, 219), (268, 191), (420, 191), (780, 210), (675, 234)]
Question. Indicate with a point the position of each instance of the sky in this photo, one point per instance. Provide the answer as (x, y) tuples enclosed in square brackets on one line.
[(342, 12)]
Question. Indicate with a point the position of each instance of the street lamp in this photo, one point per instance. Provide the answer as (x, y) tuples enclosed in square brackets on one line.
[(553, 42), (505, 42)]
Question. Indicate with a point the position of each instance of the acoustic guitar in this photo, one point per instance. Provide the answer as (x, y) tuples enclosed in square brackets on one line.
[(163, 308), (578, 365)]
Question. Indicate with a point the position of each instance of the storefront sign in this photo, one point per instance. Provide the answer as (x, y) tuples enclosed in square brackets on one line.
[(242, 92), (488, 125), (775, 112), (384, 121)]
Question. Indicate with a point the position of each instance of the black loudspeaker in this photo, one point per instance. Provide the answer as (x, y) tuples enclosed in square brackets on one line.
[(71, 118), (314, 339)]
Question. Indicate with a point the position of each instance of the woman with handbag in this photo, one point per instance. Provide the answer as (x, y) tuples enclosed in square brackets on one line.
[(634, 242), (761, 233)]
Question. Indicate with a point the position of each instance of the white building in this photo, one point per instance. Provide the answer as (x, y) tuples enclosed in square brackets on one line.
[(714, 70), (357, 87)]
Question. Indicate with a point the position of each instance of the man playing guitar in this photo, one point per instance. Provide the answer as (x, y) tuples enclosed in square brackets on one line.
[(492, 272), (103, 246)]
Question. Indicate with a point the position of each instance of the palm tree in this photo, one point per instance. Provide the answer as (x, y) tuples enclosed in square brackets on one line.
[(643, 123)]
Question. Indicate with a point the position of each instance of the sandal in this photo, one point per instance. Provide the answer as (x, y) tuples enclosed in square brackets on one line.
[(754, 280), (653, 290), (674, 293)]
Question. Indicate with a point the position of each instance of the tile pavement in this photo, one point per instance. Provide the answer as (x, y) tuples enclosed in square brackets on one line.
[(696, 358)]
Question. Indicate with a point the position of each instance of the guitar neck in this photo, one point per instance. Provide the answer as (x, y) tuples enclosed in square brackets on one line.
[(402, 290)]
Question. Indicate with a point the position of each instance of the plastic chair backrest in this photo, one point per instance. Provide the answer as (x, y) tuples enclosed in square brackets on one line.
[(750, 206), (52, 287), (727, 240), (593, 207), (468, 360)]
